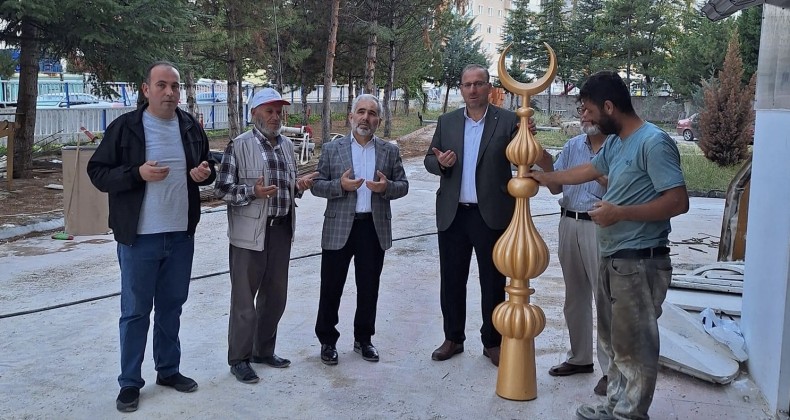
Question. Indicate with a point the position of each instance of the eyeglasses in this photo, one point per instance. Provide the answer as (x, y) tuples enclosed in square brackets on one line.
[(580, 110), (478, 84)]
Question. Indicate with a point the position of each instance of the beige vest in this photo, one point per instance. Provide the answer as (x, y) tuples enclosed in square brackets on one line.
[(247, 224)]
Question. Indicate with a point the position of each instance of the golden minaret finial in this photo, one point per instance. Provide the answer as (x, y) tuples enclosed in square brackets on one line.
[(520, 253)]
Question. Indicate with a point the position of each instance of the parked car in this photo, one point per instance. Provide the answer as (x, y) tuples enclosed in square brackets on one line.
[(687, 127), (74, 100)]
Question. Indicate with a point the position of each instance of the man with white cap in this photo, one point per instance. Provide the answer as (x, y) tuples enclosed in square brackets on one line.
[(257, 180)]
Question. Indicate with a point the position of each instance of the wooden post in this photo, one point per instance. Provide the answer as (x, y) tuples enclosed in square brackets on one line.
[(7, 129)]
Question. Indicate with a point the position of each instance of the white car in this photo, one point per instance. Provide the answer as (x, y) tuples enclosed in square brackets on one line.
[(74, 100)]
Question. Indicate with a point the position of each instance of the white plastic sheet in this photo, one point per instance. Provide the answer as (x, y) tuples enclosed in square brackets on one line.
[(726, 331)]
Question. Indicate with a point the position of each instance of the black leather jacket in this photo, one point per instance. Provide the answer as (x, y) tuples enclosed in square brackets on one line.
[(114, 168)]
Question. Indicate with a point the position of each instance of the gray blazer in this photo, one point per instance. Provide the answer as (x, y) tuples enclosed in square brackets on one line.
[(493, 169), (340, 206)]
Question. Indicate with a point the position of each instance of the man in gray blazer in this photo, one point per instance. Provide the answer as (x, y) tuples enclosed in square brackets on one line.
[(358, 175), (473, 207)]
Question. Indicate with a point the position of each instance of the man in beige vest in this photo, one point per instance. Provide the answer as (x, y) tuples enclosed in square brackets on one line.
[(258, 181)]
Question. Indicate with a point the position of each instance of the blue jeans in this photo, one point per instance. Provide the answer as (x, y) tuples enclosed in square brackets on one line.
[(155, 273)]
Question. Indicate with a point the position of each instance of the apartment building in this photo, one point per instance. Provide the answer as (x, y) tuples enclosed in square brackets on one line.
[(490, 16)]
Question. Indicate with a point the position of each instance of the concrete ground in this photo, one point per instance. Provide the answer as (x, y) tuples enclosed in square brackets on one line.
[(61, 361)]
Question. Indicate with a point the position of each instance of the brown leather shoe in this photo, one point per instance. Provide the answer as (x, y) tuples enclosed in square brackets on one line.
[(493, 354), (447, 350), (600, 388)]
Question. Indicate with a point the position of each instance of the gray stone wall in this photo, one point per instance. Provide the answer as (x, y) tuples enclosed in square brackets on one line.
[(651, 108)]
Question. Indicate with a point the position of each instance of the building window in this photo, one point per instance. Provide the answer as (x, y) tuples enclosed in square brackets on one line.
[(499, 12), (479, 10), (490, 11)]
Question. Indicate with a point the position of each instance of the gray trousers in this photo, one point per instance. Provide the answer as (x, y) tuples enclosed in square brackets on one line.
[(630, 295), (580, 259), (258, 292)]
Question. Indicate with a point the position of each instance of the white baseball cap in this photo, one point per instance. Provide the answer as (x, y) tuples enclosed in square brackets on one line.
[(267, 96)]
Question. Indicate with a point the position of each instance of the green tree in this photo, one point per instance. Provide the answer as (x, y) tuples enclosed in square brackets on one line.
[(728, 114), (584, 49), (637, 35), (553, 28), (461, 47), (527, 31), (7, 64), (698, 54), (522, 31), (115, 39), (406, 57), (227, 44), (749, 25)]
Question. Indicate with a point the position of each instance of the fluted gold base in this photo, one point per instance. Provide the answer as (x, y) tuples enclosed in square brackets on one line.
[(517, 379)]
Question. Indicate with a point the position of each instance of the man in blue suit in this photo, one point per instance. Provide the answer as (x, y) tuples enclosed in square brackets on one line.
[(358, 175)]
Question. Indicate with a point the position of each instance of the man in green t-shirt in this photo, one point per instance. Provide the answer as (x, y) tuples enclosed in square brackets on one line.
[(646, 188)]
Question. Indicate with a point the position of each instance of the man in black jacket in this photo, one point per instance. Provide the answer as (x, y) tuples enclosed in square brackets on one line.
[(150, 163)]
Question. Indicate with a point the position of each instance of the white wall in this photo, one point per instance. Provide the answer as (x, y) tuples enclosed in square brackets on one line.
[(765, 316)]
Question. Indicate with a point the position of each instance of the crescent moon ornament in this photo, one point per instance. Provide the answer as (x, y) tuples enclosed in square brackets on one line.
[(527, 89)]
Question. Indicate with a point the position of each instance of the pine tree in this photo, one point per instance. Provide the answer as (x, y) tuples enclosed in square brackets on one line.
[(728, 115)]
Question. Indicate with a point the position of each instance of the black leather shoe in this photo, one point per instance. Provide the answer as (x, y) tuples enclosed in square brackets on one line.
[(128, 399), (244, 373), (367, 351), (274, 361), (567, 369), (447, 350), (178, 381), (328, 354)]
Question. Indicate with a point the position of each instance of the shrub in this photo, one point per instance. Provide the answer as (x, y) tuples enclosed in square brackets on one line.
[(728, 114)]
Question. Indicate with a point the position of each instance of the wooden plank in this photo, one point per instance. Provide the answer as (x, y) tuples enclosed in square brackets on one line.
[(7, 129)]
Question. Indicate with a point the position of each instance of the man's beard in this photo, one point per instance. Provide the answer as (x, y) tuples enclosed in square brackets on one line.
[(608, 125), (363, 131), (590, 129), (266, 131)]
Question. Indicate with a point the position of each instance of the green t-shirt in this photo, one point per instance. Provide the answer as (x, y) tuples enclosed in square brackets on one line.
[(639, 168)]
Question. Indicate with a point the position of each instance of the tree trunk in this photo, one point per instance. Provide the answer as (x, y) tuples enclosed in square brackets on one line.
[(350, 98), (240, 101), (233, 112), (304, 94), (406, 100), (370, 67), (189, 81), (189, 86), (26, 102), (446, 98), (388, 91), (326, 112), (232, 67)]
